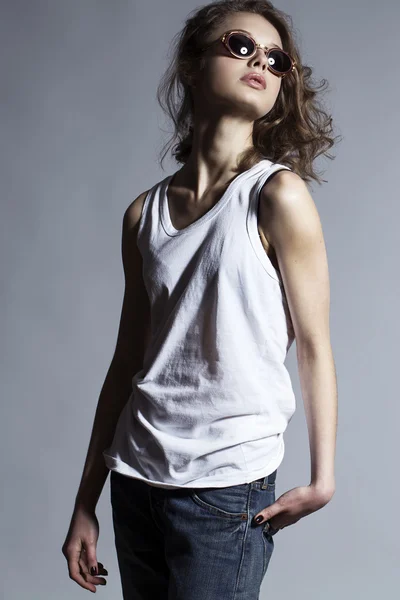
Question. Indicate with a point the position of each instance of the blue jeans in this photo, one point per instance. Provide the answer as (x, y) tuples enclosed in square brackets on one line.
[(192, 543)]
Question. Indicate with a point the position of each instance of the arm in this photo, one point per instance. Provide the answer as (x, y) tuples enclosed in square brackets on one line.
[(127, 360), (292, 225)]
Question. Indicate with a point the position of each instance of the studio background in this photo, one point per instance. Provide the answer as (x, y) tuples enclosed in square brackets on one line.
[(80, 134)]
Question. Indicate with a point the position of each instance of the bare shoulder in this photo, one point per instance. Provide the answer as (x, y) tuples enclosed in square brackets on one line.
[(294, 229), (133, 212), (284, 188), (135, 315), (287, 209), (131, 257)]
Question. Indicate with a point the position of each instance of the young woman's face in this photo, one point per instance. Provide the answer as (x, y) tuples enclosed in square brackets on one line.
[(219, 84)]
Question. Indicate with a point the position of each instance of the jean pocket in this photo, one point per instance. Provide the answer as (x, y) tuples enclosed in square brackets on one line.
[(228, 502), (268, 544)]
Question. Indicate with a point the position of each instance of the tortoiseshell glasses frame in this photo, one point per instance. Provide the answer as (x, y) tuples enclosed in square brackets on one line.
[(225, 40)]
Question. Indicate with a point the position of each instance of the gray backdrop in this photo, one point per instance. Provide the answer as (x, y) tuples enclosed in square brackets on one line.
[(80, 132)]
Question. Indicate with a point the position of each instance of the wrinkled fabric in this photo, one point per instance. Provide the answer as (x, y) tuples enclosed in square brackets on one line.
[(213, 399)]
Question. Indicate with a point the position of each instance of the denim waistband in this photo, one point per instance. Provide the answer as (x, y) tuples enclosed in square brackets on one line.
[(268, 479)]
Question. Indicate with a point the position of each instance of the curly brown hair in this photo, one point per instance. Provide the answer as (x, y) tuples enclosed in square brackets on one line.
[(294, 132)]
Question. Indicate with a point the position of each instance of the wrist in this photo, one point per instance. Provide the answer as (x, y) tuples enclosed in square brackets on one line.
[(87, 505)]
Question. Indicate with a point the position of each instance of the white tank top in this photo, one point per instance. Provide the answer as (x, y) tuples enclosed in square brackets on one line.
[(211, 403)]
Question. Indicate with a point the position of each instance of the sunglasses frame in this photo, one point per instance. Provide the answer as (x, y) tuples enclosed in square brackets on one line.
[(225, 40)]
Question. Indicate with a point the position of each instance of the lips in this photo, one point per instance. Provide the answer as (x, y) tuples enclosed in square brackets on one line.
[(254, 77)]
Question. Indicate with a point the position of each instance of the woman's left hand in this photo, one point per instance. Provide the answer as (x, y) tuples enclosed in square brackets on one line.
[(293, 505)]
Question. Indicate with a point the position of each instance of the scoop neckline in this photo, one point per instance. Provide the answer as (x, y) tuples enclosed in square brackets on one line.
[(165, 213)]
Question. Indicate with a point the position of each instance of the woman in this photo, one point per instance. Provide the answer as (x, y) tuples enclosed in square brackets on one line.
[(225, 265)]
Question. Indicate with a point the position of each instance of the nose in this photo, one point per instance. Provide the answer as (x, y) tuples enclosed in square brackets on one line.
[(260, 57)]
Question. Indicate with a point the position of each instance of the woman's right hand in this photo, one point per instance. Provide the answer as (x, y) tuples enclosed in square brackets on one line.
[(79, 549)]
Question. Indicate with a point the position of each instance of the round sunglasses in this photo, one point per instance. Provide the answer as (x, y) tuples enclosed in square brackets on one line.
[(241, 45)]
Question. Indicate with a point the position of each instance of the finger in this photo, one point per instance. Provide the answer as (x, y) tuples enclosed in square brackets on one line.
[(90, 558), (267, 514), (271, 530), (275, 527), (91, 568), (85, 570), (96, 580), (101, 569), (74, 570)]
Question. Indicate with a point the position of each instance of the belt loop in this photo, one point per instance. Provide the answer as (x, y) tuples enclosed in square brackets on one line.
[(265, 482)]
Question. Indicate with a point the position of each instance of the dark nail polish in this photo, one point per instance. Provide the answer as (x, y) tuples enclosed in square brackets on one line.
[(258, 519), (93, 571)]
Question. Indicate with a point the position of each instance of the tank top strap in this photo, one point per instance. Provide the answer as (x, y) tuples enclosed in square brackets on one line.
[(252, 218)]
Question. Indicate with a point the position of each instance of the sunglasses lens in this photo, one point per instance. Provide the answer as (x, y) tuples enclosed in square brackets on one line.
[(240, 45), (279, 61)]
